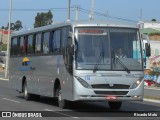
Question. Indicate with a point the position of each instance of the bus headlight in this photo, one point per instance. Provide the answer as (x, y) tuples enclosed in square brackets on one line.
[(136, 83), (83, 82)]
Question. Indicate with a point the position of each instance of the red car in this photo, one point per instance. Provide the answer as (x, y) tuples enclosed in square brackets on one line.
[(149, 82)]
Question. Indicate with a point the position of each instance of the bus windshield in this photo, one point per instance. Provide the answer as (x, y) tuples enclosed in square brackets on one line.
[(108, 49)]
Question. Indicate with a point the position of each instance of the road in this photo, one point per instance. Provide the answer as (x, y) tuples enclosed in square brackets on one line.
[(10, 100)]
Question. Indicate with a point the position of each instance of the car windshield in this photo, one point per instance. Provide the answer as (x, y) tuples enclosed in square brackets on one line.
[(108, 49)]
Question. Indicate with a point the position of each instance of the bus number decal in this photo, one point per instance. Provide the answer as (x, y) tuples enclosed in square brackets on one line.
[(87, 77)]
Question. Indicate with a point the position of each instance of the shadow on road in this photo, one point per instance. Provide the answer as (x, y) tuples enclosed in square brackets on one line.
[(100, 106)]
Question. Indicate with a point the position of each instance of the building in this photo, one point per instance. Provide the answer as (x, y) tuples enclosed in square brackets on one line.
[(3, 36), (152, 29), (149, 24)]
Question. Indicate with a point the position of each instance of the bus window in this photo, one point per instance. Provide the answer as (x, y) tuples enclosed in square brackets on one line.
[(22, 49), (46, 37), (30, 44), (65, 32), (14, 48), (56, 41), (38, 43)]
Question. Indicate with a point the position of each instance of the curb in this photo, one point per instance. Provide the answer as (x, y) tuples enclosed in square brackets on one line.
[(151, 100)]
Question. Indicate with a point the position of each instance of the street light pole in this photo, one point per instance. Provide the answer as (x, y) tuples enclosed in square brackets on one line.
[(77, 12), (92, 11), (69, 5), (8, 42)]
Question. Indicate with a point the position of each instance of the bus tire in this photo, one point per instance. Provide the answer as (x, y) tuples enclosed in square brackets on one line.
[(115, 105), (27, 96), (62, 103)]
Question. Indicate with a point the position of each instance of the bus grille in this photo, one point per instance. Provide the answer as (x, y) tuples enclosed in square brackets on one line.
[(107, 86), (111, 92)]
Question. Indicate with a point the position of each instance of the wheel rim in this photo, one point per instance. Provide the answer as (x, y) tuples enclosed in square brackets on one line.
[(59, 95), (25, 91)]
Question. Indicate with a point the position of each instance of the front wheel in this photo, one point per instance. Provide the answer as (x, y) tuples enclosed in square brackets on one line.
[(115, 105), (27, 96), (62, 103)]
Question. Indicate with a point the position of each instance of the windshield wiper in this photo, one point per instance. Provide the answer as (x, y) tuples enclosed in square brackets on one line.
[(99, 60), (125, 67)]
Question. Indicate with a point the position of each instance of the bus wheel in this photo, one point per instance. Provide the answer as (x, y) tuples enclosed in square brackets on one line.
[(115, 105), (62, 103), (27, 96)]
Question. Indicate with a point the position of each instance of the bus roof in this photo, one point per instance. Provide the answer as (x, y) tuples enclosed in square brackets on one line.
[(89, 23)]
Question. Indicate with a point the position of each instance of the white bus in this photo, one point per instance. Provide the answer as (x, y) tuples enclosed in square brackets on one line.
[(78, 61)]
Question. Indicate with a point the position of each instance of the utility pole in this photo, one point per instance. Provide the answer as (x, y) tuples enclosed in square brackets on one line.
[(107, 15), (8, 42), (77, 9), (92, 11), (141, 14), (69, 4)]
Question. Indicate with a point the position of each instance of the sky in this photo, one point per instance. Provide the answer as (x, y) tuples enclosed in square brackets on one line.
[(126, 9)]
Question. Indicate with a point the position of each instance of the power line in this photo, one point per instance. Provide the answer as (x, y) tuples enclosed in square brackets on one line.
[(104, 15), (41, 9), (71, 9)]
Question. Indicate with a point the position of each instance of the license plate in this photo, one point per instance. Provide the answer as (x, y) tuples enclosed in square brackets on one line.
[(111, 98)]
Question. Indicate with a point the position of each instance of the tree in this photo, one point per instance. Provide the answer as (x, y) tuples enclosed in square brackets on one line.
[(2, 27), (18, 25), (43, 19), (14, 26), (153, 20)]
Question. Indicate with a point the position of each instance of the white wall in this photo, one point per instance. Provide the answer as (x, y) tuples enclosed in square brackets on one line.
[(153, 25)]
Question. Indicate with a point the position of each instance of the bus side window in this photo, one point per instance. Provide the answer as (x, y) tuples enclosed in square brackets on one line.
[(14, 48), (30, 45), (11, 49), (22, 46), (46, 38), (56, 38), (65, 32), (38, 41), (68, 56)]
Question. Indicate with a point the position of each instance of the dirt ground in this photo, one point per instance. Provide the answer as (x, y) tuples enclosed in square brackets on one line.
[(1, 69), (154, 37)]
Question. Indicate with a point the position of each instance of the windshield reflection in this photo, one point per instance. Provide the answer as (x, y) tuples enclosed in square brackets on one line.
[(121, 43)]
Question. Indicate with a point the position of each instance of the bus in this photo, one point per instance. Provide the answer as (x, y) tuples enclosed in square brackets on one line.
[(76, 61)]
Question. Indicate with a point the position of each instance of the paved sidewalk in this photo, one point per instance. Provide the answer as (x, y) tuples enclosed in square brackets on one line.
[(151, 100), (151, 87)]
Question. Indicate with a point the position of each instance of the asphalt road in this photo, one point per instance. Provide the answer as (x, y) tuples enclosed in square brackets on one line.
[(10, 100)]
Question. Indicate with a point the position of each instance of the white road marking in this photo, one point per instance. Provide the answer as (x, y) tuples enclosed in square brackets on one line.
[(4, 79), (11, 100), (48, 110), (62, 114)]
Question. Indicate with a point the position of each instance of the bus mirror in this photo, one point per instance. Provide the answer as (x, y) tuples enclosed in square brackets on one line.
[(148, 49)]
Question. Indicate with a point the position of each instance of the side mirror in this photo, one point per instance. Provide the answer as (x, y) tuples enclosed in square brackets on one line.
[(148, 49)]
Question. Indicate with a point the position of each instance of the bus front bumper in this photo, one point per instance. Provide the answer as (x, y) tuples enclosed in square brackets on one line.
[(108, 98)]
